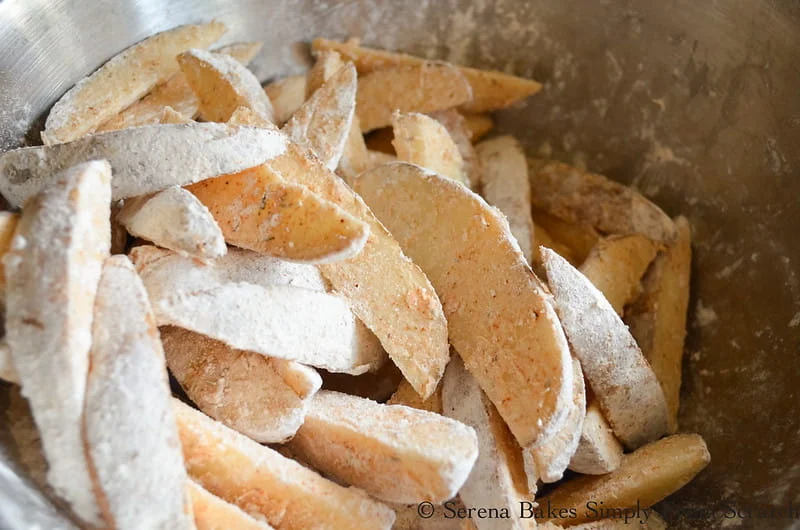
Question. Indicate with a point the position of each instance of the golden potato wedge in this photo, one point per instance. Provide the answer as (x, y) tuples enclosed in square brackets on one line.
[(407, 396), (573, 241), (323, 123), (498, 479), (173, 218), (123, 80), (491, 90), (387, 291), (8, 224), (616, 265), (394, 453), (599, 452), (287, 95), (478, 125), (213, 513), (145, 159), (8, 372), (267, 485), (424, 87), (128, 411), (258, 210), (454, 122), (548, 461), (646, 476), (657, 319), (327, 64), (629, 394), (499, 316), (578, 196), (174, 93), (421, 140), (222, 85), (50, 292), (504, 183), (241, 389)]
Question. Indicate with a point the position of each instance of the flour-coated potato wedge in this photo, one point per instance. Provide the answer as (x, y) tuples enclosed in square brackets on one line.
[(222, 84), (657, 319), (327, 64), (128, 421), (499, 315), (8, 225), (213, 513), (598, 451), (172, 116), (145, 159), (646, 476), (123, 80), (267, 485), (406, 395), (623, 382), (395, 453), (50, 292), (421, 140), (491, 90), (456, 127), (287, 95)]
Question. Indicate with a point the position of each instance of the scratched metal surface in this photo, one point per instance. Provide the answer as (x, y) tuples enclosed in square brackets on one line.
[(696, 103)]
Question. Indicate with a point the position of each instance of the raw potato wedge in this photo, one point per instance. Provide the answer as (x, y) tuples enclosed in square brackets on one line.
[(505, 185), (657, 319), (499, 317), (278, 321), (491, 90), (598, 451), (8, 224), (122, 81), (394, 453), (578, 196), (355, 157), (241, 389), (387, 291), (174, 93), (646, 476), (616, 265), (328, 63), (8, 372), (128, 421), (406, 395), (478, 125), (267, 485), (498, 479), (287, 95), (456, 128), (213, 513), (50, 292), (258, 210), (574, 241), (322, 124), (549, 460), (624, 384), (421, 140), (173, 218), (145, 159), (222, 85), (425, 87)]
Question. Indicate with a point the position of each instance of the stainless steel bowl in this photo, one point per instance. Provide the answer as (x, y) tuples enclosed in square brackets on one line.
[(696, 103)]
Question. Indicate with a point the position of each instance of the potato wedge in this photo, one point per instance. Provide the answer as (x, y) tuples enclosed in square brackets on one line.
[(241, 389), (8, 225), (267, 485), (302, 379), (213, 513), (575, 239), (454, 122), (491, 90), (599, 452), (505, 185), (579, 197), (50, 291), (478, 125), (145, 159), (629, 394), (424, 87), (421, 140), (123, 80), (407, 396), (287, 95), (174, 93), (542, 238), (646, 476), (8, 371), (173, 218), (258, 210), (616, 265), (128, 411), (261, 319), (355, 157), (548, 461), (222, 85), (499, 317), (387, 291), (323, 123), (327, 64), (657, 319), (394, 453), (171, 116)]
